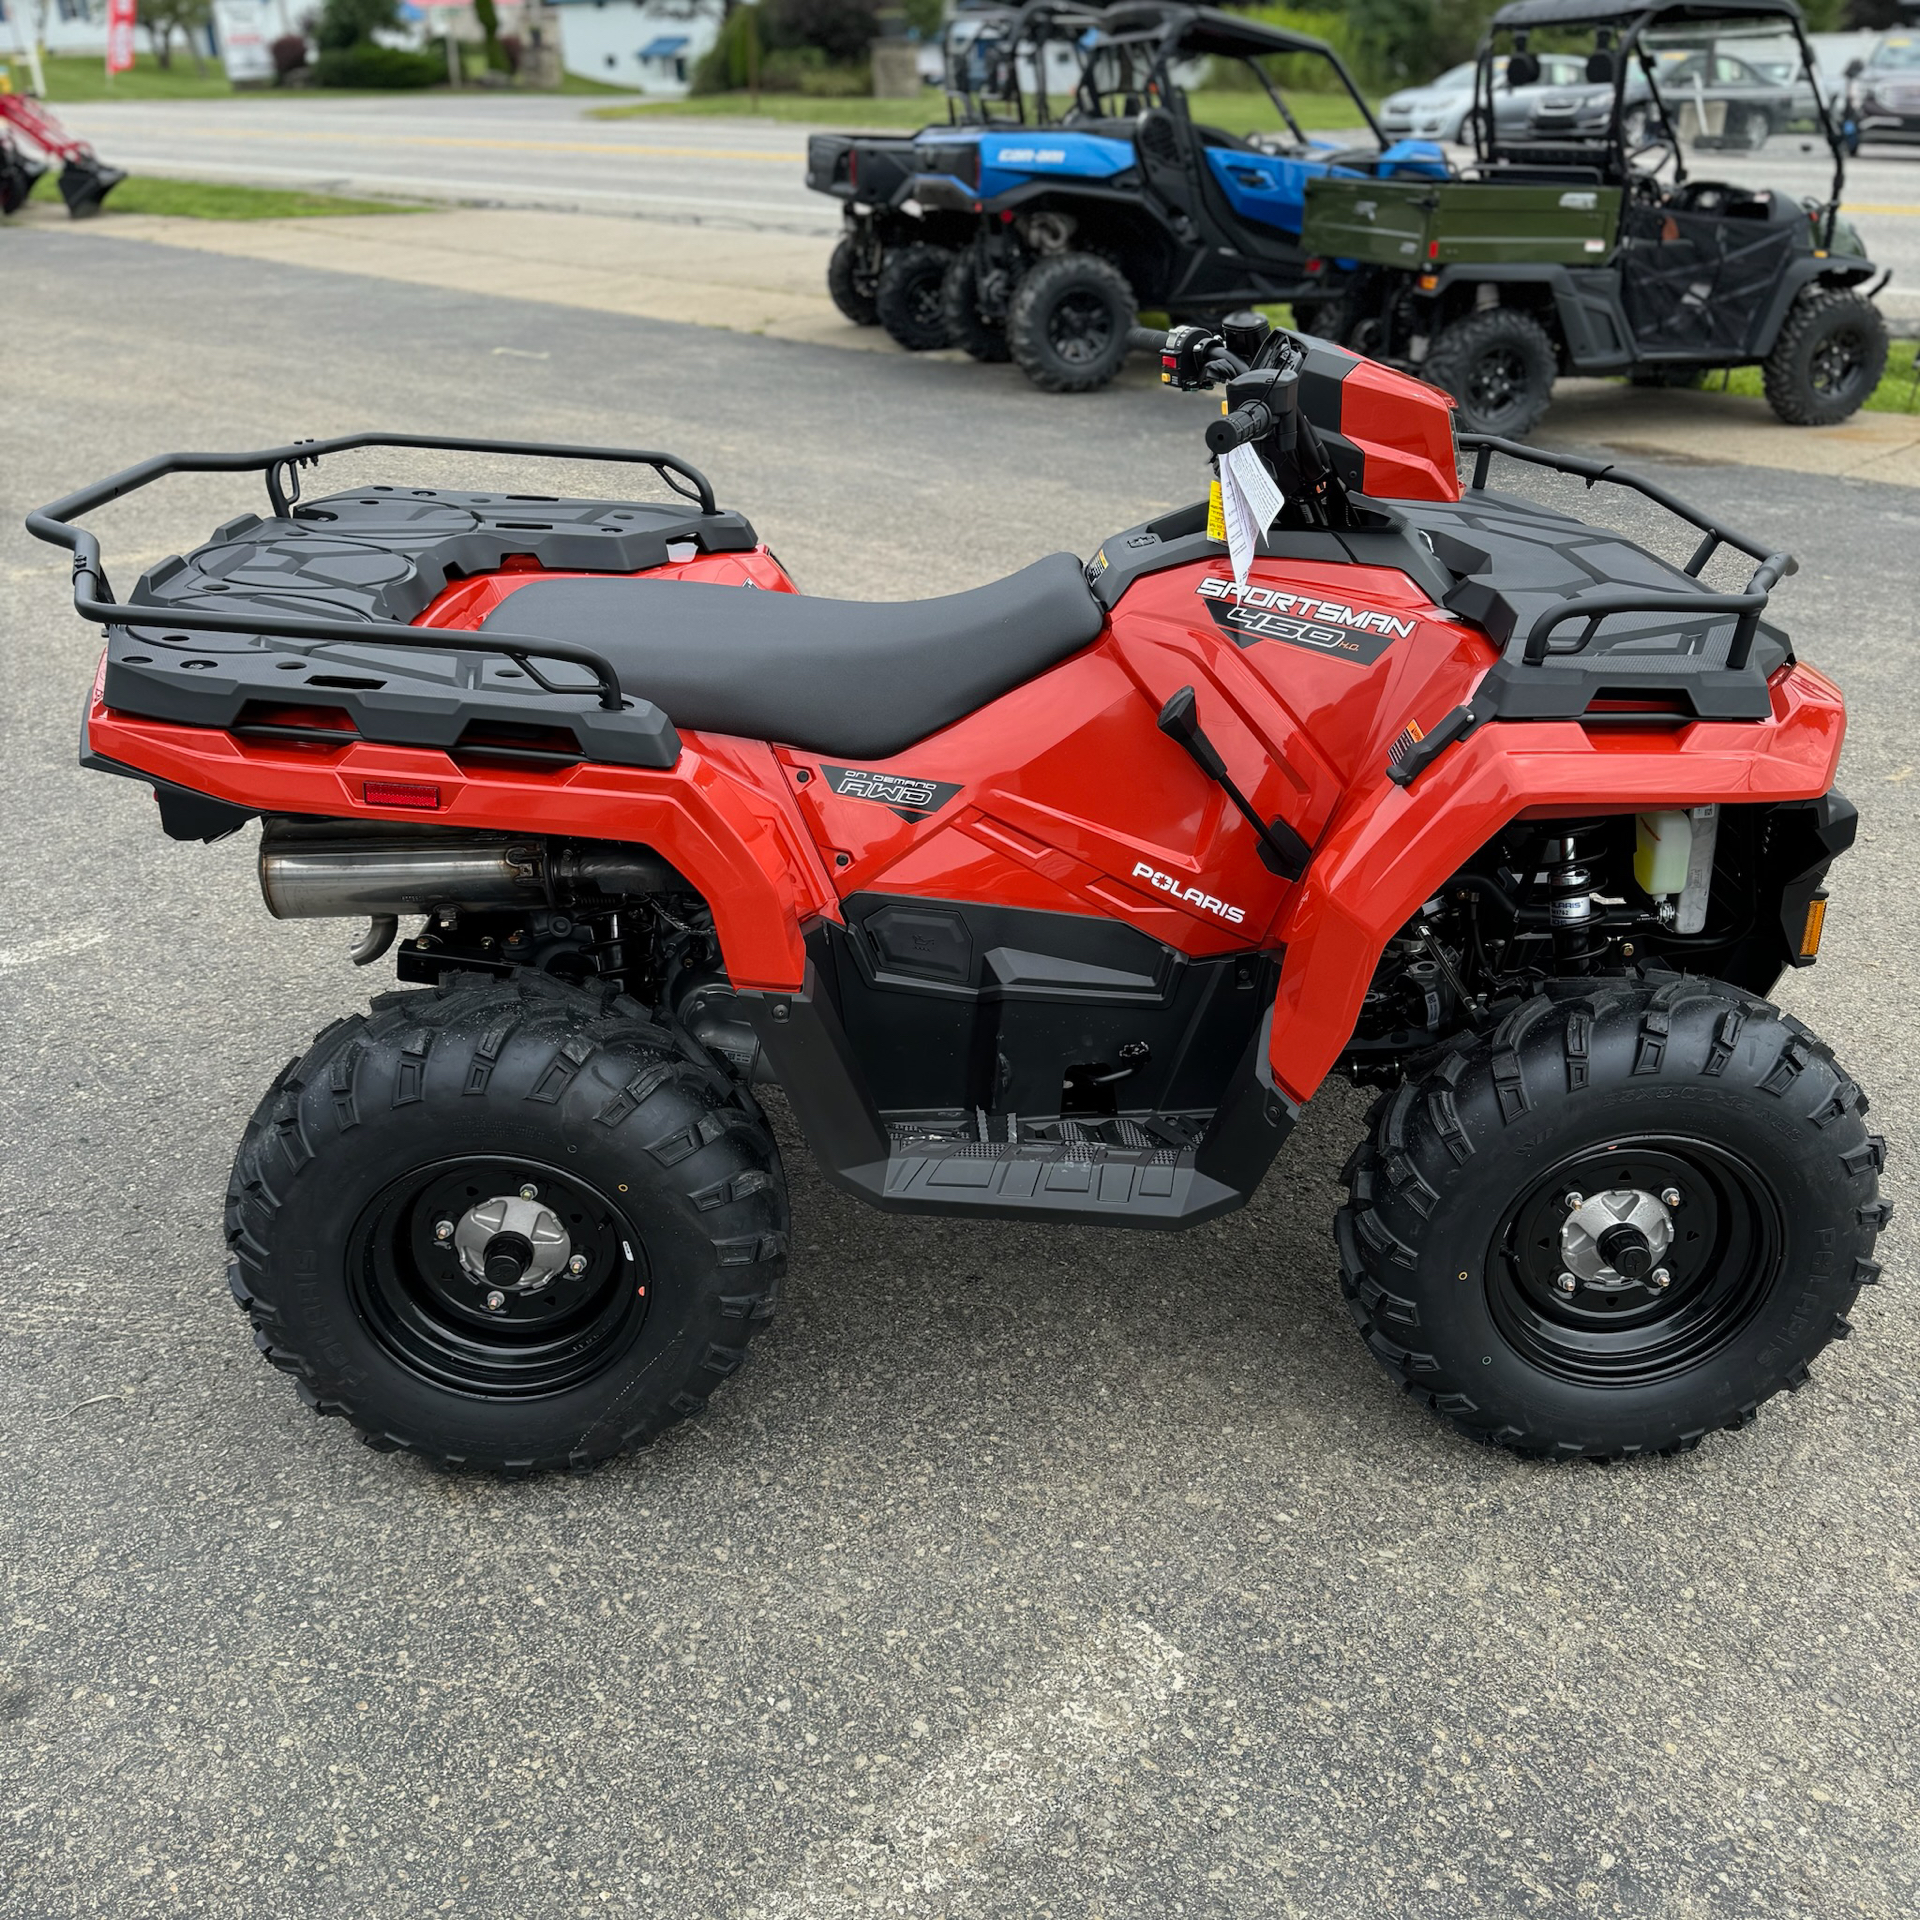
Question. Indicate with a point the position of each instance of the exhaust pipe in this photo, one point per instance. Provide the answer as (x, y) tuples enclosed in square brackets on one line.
[(335, 869)]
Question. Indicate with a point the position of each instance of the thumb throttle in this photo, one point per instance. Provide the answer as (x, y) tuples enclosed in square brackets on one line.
[(1237, 428)]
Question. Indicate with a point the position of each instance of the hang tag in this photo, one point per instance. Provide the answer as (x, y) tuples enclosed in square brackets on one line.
[(1249, 500)]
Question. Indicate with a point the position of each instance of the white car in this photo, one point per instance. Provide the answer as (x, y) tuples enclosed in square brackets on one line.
[(1438, 111)]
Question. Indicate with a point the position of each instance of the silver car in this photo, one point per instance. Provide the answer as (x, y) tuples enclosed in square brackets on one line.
[(1438, 111)]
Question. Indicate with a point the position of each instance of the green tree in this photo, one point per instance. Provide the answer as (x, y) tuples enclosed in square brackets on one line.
[(164, 18), (348, 23), (488, 16)]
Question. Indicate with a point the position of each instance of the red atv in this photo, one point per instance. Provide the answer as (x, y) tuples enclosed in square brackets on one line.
[(1054, 900)]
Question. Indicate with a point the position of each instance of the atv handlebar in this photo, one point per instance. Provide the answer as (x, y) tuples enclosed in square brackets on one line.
[(1236, 429), (93, 597)]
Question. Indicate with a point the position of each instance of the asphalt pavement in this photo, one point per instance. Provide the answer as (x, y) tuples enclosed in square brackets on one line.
[(1023, 1571), (548, 151)]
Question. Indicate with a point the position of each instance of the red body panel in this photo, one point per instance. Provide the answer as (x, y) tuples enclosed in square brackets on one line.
[(1070, 800)]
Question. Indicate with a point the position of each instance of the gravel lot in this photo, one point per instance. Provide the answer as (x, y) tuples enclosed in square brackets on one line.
[(1024, 1571)]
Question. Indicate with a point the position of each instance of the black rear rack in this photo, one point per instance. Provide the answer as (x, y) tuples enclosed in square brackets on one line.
[(93, 597), (1518, 686)]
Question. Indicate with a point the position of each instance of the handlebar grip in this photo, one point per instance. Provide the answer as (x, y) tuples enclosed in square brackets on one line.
[(1146, 339), (1235, 429)]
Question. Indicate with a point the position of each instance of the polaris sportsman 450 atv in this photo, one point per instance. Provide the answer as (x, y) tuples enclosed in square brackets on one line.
[(1051, 901)]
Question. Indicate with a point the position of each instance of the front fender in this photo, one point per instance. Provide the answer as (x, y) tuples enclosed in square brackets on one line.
[(1391, 848)]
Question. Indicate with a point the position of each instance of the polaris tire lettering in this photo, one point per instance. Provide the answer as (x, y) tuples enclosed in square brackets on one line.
[(1188, 896)]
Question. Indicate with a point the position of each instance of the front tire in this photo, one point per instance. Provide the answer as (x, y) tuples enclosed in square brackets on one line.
[(1711, 1134), (506, 1225), (1499, 365), (909, 296), (1068, 322), (1828, 359)]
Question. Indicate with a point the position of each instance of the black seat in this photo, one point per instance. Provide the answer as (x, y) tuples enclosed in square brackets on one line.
[(861, 678)]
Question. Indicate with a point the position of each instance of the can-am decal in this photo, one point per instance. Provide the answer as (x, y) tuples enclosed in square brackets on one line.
[(910, 798), (1250, 613), (1190, 896)]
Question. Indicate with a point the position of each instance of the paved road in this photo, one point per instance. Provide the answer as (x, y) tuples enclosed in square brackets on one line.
[(547, 151), (1024, 1571)]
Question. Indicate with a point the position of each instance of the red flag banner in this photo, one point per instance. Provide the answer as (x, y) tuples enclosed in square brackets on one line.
[(120, 23)]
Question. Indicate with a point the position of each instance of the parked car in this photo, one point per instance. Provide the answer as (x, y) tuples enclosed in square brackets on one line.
[(1885, 91), (1756, 104), (1438, 111)]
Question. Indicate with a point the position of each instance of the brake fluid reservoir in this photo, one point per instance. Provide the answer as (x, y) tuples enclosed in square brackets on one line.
[(1663, 851)]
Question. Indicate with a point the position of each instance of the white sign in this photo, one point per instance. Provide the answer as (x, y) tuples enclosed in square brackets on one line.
[(246, 30)]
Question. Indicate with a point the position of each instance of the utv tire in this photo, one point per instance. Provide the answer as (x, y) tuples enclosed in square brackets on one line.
[(851, 285), (967, 326), (1829, 357), (376, 1249), (1068, 322), (1499, 365), (1457, 1235), (909, 296)]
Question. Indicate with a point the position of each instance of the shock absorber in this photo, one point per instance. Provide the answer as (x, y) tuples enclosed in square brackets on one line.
[(1570, 860)]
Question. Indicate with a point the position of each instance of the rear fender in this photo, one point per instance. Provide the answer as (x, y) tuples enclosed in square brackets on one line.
[(1585, 306), (1389, 848)]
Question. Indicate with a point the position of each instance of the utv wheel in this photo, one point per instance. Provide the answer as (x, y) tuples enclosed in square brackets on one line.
[(909, 296), (1499, 365), (506, 1225), (1068, 322), (967, 326), (851, 283), (1749, 127), (1620, 1221), (1829, 357)]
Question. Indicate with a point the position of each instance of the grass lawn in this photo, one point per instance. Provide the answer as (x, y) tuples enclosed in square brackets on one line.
[(204, 200), (1236, 112), (71, 78)]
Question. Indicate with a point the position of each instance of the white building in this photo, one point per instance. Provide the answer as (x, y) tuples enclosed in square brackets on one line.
[(648, 44)]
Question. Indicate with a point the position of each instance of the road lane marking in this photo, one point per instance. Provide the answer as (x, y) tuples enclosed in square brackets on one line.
[(308, 136), (51, 946)]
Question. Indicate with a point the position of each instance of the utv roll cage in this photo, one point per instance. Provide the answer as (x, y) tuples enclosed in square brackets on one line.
[(983, 74), (1621, 28)]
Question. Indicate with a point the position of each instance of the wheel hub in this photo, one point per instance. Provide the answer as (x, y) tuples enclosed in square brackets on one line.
[(1614, 1240), (513, 1243)]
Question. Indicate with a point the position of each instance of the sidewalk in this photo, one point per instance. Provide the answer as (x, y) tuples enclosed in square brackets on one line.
[(773, 284)]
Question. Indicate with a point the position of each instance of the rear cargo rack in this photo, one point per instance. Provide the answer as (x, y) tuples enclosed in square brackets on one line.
[(256, 615), (1709, 669)]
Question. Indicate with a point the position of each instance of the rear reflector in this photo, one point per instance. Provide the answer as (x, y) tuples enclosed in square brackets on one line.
[(1816, 923), (400, 793)]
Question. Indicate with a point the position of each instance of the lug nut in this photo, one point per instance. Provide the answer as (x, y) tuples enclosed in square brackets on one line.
[(529, 1192), (1567, 1283), (496, 1300), (443, 1229), (1575, 1201), (1671, 1197), (1661, 1278), (578, 1264)]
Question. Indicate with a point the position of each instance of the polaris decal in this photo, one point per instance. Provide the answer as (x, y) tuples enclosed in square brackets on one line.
[(1250, 613), (910, 798), (1189, 896)]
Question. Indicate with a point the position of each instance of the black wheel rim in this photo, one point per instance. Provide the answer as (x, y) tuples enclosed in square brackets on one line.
[(1498, 383), (1724, 1256), (431, 1316), (1080, 328), (1838, 363), (926, 301)]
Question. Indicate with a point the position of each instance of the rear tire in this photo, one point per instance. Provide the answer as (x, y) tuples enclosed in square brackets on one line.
[(908, 296), (850, 281), (1499, 364), (967, 326), (1828, 359), (370, 1249), (1068, 322), (1726, 1117)]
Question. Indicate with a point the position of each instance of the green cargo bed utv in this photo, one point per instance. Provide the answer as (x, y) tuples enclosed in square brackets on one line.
[(1578, 243)]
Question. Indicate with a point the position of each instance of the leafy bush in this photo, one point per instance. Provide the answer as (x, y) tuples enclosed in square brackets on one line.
[(289, 54), (841, 29), (371, 65), (792, 59), (347, 23)]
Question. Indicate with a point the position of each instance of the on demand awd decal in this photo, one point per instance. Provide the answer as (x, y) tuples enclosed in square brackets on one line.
[(1251, 613), (912, 799)]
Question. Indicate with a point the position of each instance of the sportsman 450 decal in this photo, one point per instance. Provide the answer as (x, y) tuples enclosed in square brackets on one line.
[(1250, 613)]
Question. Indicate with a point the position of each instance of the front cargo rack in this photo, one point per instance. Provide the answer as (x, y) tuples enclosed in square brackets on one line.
[(379, 556), (1692, 653)]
